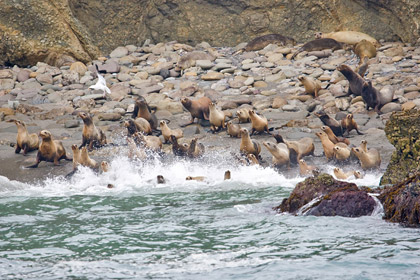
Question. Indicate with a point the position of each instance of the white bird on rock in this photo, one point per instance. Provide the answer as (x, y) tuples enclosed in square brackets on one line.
[(101, 83)]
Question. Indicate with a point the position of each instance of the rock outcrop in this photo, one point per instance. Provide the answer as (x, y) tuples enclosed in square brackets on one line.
[(402, 131), (325, 196), (59, 31)]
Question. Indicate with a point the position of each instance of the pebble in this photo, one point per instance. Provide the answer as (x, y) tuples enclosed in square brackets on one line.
[(212, 76)]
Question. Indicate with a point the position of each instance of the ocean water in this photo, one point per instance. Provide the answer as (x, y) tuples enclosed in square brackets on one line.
[(215, 229)]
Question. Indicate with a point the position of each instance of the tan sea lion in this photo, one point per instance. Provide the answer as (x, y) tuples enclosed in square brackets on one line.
[(280, 152), (195, 150), (243, 115), (368, 160), (234, 130), (85, 160), (216, 118), (356, 82), (341, 152), (248, 146), (298, 149), (312, 86), (177, 149), (348, 37), (25, 141), (91, 135), (198, 108), (135, 152), (358, 175), (261, 42), (330, 122), (142, 110), (227, 175), (327, 145), (333, 137), (363, 145), (252, 159), (50, 150), (319, 45), (76, 156), (341, 175), (151, 142), (305, 169), (167, 132), (259, 123), (195, 178), (364, 49), (104, 166), (138, 125), (348, 124)]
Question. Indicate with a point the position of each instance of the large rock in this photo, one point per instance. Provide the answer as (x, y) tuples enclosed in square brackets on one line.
[(402, 131), (325, 196)]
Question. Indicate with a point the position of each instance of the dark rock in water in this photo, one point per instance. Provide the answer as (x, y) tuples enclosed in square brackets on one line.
[(330, 198), (402, 202), (402, 131)]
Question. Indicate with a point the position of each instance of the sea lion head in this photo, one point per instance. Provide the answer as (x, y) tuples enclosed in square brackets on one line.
[(162, 123), (302, 162), (45, 134), (363, 141), (358, 175), (104, 166), (244, 131), (19, 123), (318, 35), (349, 116), (74, 147), (186, 102), (160, 179), (189, 178)]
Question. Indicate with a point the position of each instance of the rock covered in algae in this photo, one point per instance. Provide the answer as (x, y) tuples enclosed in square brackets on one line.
[(324, 196), (402, 131)]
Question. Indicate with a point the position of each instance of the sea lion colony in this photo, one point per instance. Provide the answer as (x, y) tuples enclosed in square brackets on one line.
[(287, 154)]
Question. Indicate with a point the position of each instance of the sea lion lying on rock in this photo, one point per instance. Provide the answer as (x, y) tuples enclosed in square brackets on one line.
[(348, 37), (319, 45), (261, 42)]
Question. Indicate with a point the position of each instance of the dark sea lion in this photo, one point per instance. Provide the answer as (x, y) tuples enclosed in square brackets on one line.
[(198, 108), (319, 45), (142, 110), (92, 136), (160, 179), (177, 149), (195, 150), (25, 141), (261, 42), (348, 124), (371, 96), (248, 146), (355, 80), (50, 150), (227, 175), (330, 122)]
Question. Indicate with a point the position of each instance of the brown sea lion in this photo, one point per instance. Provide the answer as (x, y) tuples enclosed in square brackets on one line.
[(341, 152), (142, 110), (341, 175), (364, 49), (280, 152), (298, 149), (195, 150), (234, 130), (198, 108), (138, 125), (319, 45), (25, 141), (216, 118), (356, 82), (243, 115), (227, 175), (50, 150), (368, 160), (330, 122), (160, 179), (312, 86), (327, 145), (333, 137), (371, 96), (252, 159), (150, 142), (261, 42), (305, 169), (195, 178), (85, 160), (348, 37), (259, 123), (177, 149), (92, 136), (348, 124), (167, 132), (248, 146)]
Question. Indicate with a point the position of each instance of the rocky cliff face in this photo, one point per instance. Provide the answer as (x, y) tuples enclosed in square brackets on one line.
[(55, 31)]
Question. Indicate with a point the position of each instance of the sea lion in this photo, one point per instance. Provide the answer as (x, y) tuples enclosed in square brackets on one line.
[(333, 137), (261, 42), (85, 160), (362, 67), (298, 149), (319, 45), (142, 110), (135, 152), (150, 142), (177, 149), (358, 175), (50, 150), (330, 122), (160, 179), (371, 97), (341, 152), (341, 175), (167, 132), (312, 86), (355, 80), (363, 145), (227, 175), (104, 166), (364, 49), (305, 169), (243, 115), (188, 60), (248, 146), (252, 159), (91, 135), (195, 150), (259, 123), (25, 141), (348, 124), (234, 130), (138, 125), (348, 37), (195, 178), (327, 145), (198, 108), (280, 152), (216, 118), (76, 156), (368, 160)]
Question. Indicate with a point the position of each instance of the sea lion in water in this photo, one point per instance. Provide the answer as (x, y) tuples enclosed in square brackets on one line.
[(341, 175), (280, 152), (298, 149), (138, 125), (364, 49), (85, 160), (243, 115), (195, 178), (330, 122), (261, 42), (305, 169), (177, 149), (248, 146), (368, 159), (327, 145), (151, 142), (234, 130), (259, 123), (104, 166), (348, 37), (312, 86), (76, 156), (135, 152), (50, 150), (348, 124), (252, 159), (195, 150), (216, 118), (358, 174), (341, 152), (333, 137), (356, 82), (142, 110), (198, 108), (167, 132), (25, 141), (319, 45), (91, 135), (227, 175)]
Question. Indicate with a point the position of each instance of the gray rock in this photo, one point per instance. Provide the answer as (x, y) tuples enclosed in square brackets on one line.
[(6, 84), (110, 67), (391, 107), (23, 75), (94, 96), (71, 124), (109, 116), (45, 78), (119, 52)]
